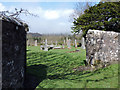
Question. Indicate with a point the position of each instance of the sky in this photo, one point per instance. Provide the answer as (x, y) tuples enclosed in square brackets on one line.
[(53, 17)]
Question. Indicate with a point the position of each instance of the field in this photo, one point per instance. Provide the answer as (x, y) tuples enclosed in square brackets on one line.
[(54, 69)]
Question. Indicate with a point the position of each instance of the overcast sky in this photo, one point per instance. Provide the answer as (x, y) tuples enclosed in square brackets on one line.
[(53, 17)]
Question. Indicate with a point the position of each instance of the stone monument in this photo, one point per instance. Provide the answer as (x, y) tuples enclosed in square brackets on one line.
[(45, 47)]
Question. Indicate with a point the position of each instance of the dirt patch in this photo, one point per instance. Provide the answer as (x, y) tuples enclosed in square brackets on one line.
[(73, 51), (82, 68)]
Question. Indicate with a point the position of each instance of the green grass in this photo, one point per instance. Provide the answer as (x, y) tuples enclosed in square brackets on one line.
[(56, 68)]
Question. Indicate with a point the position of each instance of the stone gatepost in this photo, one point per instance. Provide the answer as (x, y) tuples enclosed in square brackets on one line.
[(12, 54), (103, 46)]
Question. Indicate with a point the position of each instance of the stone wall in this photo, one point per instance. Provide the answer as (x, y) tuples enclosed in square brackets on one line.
[(102, 45), (13, 58)]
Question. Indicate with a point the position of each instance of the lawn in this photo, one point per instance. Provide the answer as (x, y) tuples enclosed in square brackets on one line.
[(54, 68)]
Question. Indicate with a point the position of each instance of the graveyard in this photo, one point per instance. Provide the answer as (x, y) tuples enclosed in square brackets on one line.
[(57, 68), (87, 58)]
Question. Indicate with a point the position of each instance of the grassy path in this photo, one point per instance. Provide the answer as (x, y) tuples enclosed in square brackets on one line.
[(55, 68)]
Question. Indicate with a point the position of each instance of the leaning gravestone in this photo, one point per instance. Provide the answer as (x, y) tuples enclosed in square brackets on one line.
[(45, 47), (35, 42), (12, 53), (83, 43)]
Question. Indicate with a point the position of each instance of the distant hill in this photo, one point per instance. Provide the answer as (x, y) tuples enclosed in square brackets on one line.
[(34, 34)]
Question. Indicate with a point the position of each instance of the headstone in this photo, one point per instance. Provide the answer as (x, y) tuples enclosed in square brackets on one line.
[(67, 40), (83, 43), (64, 42), (43, 42), (63, 45), (27, 44), (51, 42), (45, 47), (75, 43), (69, 44), (35, 42), (41, 47), (56, 43)]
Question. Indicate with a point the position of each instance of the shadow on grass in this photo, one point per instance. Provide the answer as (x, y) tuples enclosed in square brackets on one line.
[(63, 76), (35, 74)]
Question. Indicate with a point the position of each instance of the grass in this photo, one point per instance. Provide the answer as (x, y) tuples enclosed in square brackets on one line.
[(56, 69)]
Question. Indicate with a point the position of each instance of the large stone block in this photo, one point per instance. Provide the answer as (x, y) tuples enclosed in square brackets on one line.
[(12, 55), (102, 45)]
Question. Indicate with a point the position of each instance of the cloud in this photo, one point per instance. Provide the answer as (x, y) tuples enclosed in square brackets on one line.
[(67, 12), (62, 23), (49, 20), (2, 7), (51, 14)]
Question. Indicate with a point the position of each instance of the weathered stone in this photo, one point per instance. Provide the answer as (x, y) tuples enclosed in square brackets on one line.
[(102, 45), (12, 55)]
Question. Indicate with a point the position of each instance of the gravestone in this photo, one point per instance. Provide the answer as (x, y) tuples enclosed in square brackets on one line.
[(75, 43), (45, 47), (63, 45), (35, 42), (12, 53), (83, 43), (43, 42), (64, 42), (56, 43), (51, 42), (69, 44), (41, 47), (67, 41), (27, 44)]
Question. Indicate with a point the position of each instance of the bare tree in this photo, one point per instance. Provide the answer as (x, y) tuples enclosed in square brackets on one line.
[(79, 9), (15, 15)]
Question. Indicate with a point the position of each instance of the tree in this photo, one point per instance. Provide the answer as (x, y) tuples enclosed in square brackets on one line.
[(103, 16)]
